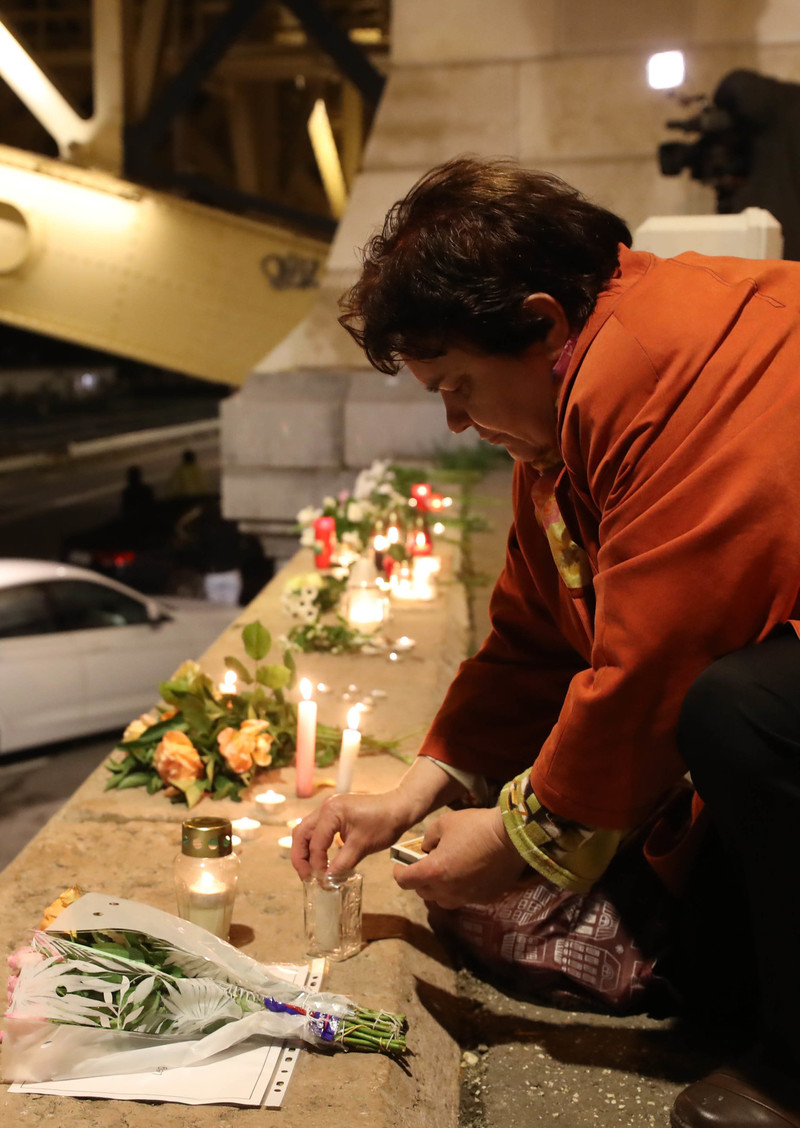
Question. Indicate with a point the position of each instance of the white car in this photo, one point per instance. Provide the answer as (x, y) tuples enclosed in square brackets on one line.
[(80, 653)]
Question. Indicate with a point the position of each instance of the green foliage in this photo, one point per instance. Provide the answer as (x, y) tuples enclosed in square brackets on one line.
[(257, 641), (202, 713)]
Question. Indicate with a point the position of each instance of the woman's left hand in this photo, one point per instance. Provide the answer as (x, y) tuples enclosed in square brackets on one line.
[(470, 859)]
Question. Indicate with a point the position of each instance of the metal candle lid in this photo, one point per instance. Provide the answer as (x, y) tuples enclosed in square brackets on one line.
[(206, 836)]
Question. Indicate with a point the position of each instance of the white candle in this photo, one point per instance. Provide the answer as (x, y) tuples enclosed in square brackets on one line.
[(209, 901), (306, 742), (228, 683), (246, 828), (285, 846), (270, 798), (351, 742), (367, 606), (328, 919)]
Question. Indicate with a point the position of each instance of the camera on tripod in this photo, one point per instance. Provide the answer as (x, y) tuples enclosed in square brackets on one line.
[(720, 157)]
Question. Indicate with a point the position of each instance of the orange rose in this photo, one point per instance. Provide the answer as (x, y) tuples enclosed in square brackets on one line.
[(176, 758), (246, 745)]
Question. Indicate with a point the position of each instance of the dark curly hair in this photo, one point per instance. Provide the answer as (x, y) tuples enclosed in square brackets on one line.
[(460, 253)]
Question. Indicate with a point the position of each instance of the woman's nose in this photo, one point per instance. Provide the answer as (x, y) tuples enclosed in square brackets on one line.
[(457, 418)]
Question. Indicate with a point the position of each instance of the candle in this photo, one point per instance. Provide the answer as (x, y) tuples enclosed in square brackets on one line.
[(209, 904), (423, 569), (328, 921), (246, 828), (351, 742), (306, 741), (324, 533), (404, 643), (285, 846), (436, 502), (270, 798), (367, 606), (228, 683), (420, 494), (438, 528)]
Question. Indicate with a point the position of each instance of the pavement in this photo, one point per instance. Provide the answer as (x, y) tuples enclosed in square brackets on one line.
[(482, 1057)]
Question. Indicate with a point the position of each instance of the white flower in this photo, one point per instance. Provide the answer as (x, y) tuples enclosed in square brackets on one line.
[(353, 540), (308, 515), (308, 538), (355, 512), (329, 502)]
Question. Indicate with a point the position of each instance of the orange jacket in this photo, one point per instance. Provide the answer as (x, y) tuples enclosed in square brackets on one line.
[(679, 426)]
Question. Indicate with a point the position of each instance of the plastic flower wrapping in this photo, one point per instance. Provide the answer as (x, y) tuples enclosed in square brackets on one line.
[(114, 986)]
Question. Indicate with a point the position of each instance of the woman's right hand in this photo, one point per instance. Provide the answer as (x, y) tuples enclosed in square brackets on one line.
[(368, 823), (365, 824)]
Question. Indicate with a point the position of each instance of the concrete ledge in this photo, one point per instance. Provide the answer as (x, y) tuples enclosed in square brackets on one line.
[(124, 843)]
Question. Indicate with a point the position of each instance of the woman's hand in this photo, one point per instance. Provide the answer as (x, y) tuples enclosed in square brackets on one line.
[(365, 824), (470, 859)]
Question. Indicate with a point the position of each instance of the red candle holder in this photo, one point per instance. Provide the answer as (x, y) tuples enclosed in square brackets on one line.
[(325, 536), (421, 494), (420, 542)]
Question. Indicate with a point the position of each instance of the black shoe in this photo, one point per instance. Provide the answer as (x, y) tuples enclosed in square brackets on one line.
[(733, 1098)]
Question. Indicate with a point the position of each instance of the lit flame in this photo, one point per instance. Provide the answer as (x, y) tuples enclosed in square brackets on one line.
[(422, 540), (380, 543), (438, 528), (393, 534), (228, 683), (305, 689), (353, 717)]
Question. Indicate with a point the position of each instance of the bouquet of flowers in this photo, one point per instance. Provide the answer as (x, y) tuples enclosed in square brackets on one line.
[(374, 498), (204, 740), (146, 987)]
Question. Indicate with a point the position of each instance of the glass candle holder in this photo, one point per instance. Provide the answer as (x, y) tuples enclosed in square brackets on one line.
[(206, 872), (332, 909)]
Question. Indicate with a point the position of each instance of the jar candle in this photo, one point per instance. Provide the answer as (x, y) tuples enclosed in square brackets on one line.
[(206, 872), (332, 910)]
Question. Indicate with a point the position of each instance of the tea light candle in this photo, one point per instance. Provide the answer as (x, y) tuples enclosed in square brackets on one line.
[(306, 742), (292, 823), (285, 846), (209, 900), (228, 683), (270, 798), (351, 742), (404, 643), (246, 828)]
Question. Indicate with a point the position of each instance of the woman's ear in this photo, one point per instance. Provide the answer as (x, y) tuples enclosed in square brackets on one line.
[(547, 306)]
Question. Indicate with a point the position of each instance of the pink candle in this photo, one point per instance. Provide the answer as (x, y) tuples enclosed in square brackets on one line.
[(324, 532), (306, 742)]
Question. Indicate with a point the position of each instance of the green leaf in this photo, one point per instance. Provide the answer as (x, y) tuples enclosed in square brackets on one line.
[(239, 669), (291, 665), (134, 779), (257, 641), (154, 733), (195, 714), (274, 677), (193, 789), (154, 784)]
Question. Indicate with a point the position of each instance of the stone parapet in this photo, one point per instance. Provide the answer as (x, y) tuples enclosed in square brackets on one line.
[(124, 843)]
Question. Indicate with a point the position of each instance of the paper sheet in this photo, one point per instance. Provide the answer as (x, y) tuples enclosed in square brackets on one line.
[(248, 1074)]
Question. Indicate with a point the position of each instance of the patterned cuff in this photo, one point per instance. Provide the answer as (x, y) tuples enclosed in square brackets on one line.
[(569, 854)]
